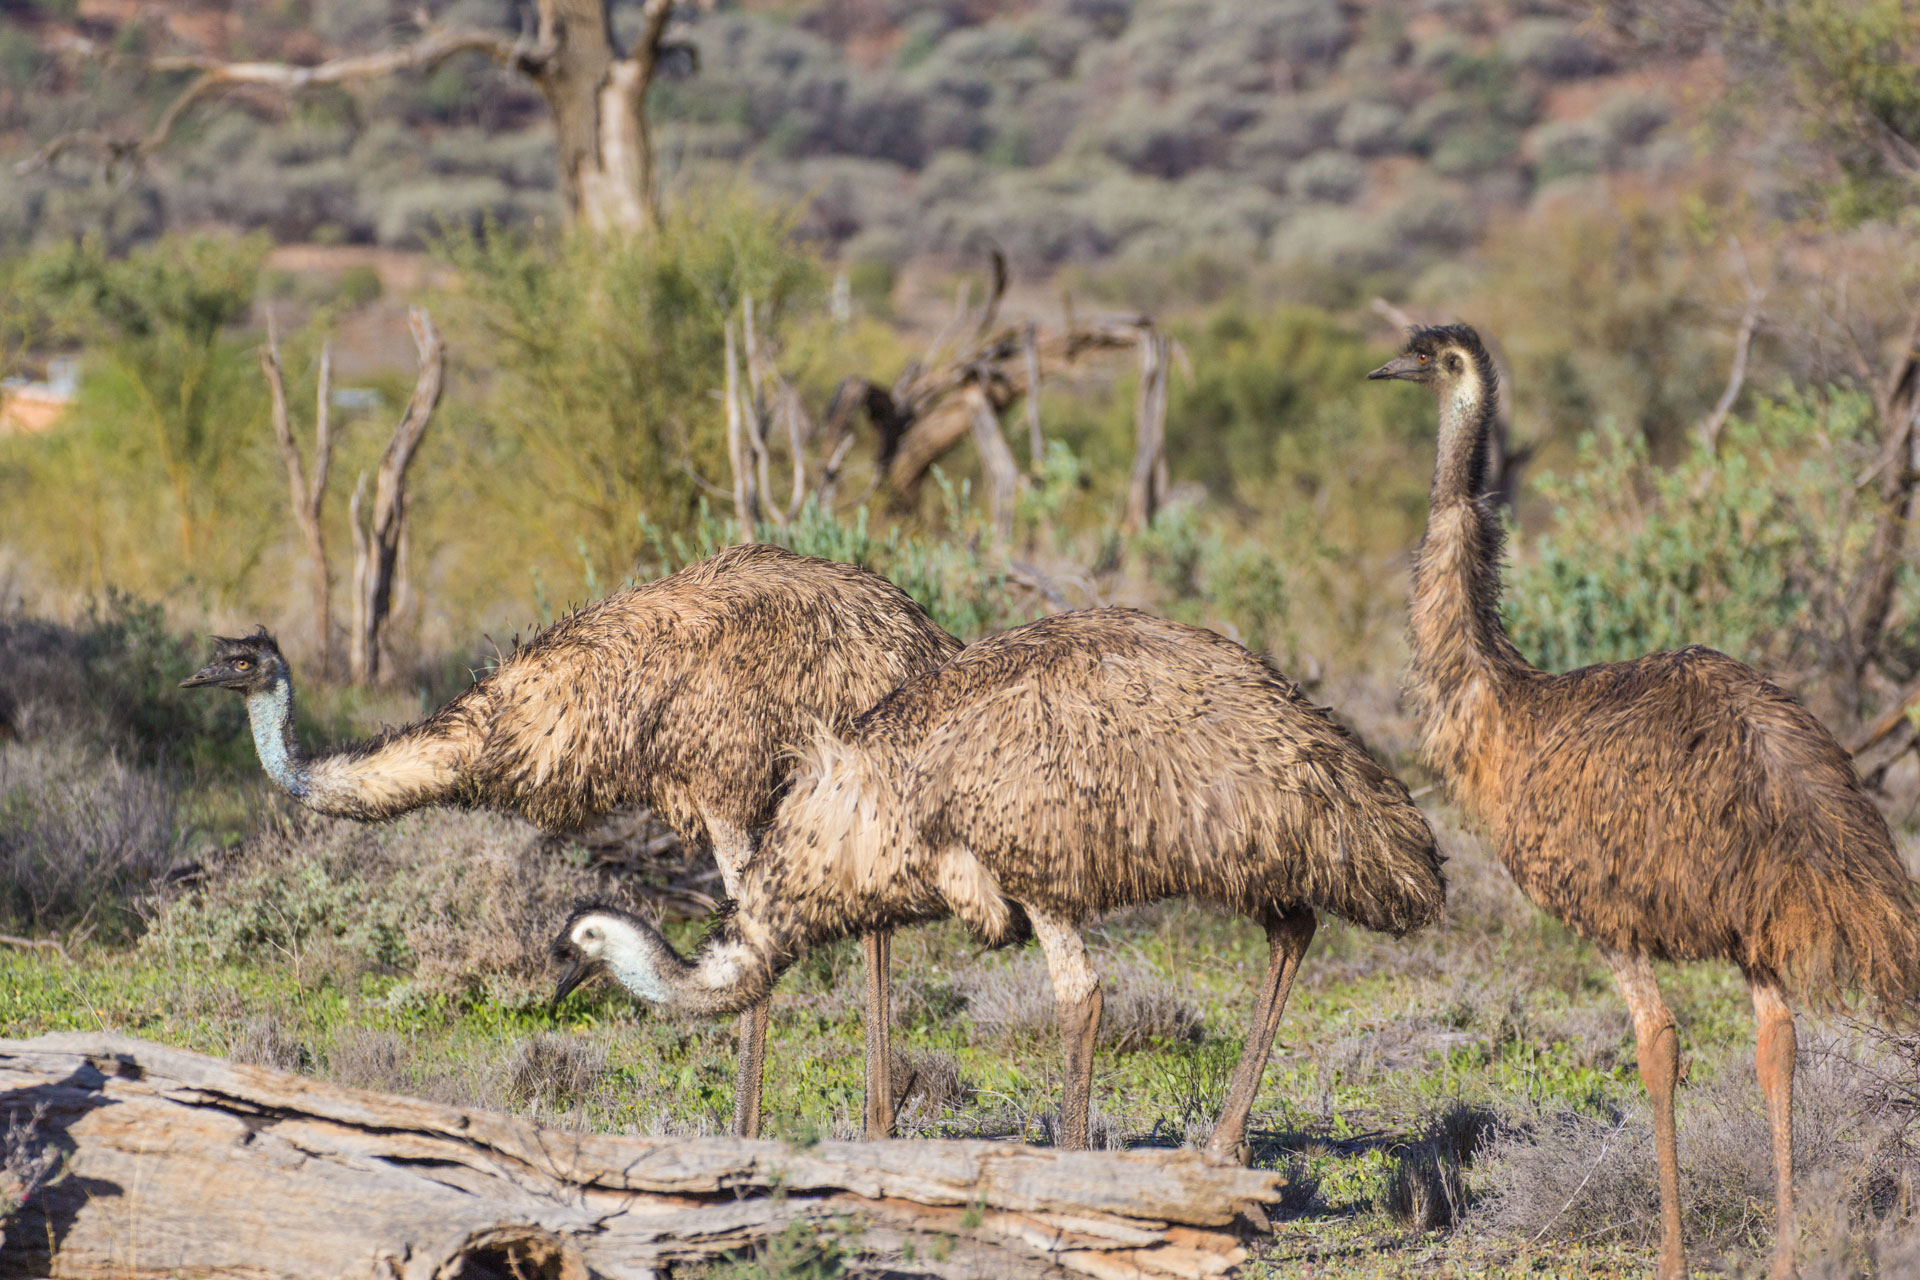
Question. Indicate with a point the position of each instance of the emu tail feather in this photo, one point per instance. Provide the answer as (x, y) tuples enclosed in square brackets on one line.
[(1830, 908), (1836, 931), (1373, 855)]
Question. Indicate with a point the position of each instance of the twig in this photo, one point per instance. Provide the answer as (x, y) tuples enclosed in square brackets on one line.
[(1597, 1162), (37, 944), (1712, 425)]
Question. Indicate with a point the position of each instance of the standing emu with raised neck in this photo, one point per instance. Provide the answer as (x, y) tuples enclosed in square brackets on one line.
[(687, 695), (1061, 770), (1676, 807)]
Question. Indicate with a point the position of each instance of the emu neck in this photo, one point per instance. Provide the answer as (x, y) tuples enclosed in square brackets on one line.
[(270, 713), (733, 970), (1466, 672)]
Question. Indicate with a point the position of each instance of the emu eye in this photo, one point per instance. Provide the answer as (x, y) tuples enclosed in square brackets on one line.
[(1423, 357), (242, 664)]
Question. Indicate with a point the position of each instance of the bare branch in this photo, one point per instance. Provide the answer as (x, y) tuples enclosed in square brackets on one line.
[(1036, 442), (377, 541), (1716, 421), (215, 76), (307, 495), (745, 507)]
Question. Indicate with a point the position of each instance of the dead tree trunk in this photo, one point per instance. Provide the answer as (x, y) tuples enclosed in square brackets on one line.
[(1147, 488), (174, 1163), (377, 533), (996, 459), (309, 494)]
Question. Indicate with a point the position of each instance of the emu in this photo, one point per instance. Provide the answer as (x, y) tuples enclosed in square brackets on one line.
[(687, 695), (1079, 764), (1675, 807)]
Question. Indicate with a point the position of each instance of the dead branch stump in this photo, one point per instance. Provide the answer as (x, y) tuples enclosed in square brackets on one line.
[(178, 1163)]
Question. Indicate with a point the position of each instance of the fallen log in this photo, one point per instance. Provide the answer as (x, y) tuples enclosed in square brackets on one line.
[(177, 1163)]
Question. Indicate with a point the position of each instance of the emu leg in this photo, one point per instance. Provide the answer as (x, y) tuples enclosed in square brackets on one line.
[(1773, 1062), (732, 850), (879, 1036), (753, 1060), (1658, 1044), (1288, 935), (1076, 1002)]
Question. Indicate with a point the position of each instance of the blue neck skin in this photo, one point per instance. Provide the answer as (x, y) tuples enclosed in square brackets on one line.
[(270, 712)]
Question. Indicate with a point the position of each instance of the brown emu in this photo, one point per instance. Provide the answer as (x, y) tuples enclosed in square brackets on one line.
[(687, 695), (1082, 763), (1676, 807)]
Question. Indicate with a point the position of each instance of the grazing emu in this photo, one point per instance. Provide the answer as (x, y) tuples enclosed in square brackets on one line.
[(1677, 807), (1082, 763), (687, 695)]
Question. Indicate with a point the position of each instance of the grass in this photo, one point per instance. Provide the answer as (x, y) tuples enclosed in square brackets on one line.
[(1392, 1064)]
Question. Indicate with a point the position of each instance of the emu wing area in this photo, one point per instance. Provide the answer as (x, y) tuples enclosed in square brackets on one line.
[(1107, 758)]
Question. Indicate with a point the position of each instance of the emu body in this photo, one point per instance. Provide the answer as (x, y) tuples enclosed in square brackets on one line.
[(1675, 807), (687, 695), (1047, 775)]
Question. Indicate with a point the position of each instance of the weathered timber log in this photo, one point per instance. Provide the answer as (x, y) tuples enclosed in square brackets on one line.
[(177, 1163)]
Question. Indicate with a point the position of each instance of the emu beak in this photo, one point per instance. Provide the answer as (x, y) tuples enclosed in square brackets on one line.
[(204, 676), (1398, 367), (576, 974)]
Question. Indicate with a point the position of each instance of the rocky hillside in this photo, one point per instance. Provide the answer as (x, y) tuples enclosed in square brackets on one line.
[(1325, 135)]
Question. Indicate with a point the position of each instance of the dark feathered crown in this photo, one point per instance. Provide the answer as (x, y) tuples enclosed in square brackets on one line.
[(1431, 340), (245, 646)]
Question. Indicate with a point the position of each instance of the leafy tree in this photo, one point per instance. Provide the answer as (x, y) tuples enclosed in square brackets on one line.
[(165, 431)]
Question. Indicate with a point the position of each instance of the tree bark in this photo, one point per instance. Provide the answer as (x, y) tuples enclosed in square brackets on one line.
[(177, 1163), (1002, 474), (1147, 488), (377, 534), (308, 495)]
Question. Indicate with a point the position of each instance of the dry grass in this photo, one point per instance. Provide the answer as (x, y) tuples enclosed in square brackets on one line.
[(83, 835), (464, 903), (1140, 1006), (1567, 1175)]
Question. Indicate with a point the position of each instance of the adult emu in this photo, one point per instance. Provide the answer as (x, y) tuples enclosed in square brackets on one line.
[(687, 695), (1079, 764), (1676, 807)]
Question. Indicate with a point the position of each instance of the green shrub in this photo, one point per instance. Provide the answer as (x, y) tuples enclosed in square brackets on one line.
[(602, 358), (1742, 552), (965, 593), (154, 479)]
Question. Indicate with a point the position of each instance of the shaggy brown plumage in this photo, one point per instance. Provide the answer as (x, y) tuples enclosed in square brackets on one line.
[(687, 695), (1676, 807), (1082, 763)]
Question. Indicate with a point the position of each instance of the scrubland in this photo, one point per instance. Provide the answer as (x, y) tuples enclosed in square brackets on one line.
[(1631, 207)]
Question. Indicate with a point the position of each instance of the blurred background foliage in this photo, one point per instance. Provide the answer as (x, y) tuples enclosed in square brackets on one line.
[(1603, 188)]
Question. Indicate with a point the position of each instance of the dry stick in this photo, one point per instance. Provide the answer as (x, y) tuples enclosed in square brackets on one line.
[(37, 944), (1593, 1169), (1715, 421), (996, 460), (746, 507), (791, 410), (755, 404), (1036, 443), (308, 495), (1145, 490), (377, 543)]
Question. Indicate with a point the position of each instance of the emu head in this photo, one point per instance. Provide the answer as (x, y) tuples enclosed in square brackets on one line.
[(247, 664), (599, 938), (1440, 358)]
